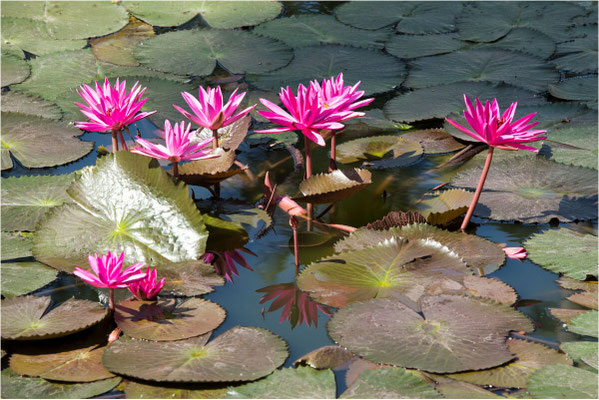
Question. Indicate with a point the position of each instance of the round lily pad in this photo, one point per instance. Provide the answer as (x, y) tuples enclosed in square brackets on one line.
[(377, 71), (434, 141), (525, 40), (148, 390), (574, 145), (390, 383), (585, 324), (168, 319), (580, 55), (26, 199), (582, 88), (585, 351), (414, 46), (15, 245), (253, 219), (564, 251), (326, 357), (25, 318), (117, 48), (380, 151), (563, 382), (38, 142), (395, 268), (311, 29), (16, 102), (196, 52), (14, 69), (20, 278), (80, 365), (574, 284), (221, 14), (456, 333), (491, 65), (442, 207), (239, 354), (289, 383), (533, 190), (333, 186), (189, 278)]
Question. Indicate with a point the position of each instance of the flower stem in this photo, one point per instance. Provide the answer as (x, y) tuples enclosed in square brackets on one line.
[(215, 136), (478, 191), (293, 222), (122, 138), (111, 299), (115, 142), (309, 209), (175, 169), (333, 159)]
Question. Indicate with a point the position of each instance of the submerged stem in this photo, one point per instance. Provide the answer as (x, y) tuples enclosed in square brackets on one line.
[(115, 142), (479, 189), (309, 208)]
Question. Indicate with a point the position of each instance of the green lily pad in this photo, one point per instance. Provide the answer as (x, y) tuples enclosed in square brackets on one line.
[(380, 152), (414, 46), (390, 383), (464, 390), (25, 318), (20, 278), (289, 383), (38, 142), (196, 52), (157, 223), (575, 284), (574, 145), (15, 246), (189, 278), (80, 365), (19, 387), (530, 357), (310, 30), (491, 65), (117, 48), (564, 251), (585, 351), (253, 219), (563, 382), (477, 286), (326, 357), (26, 199), (580, 88), (456, 333), (525, 40), (14, 69), (239, 354), (396, 268), (377, 71), (148, 390), (16, 102), (533, 190), (333, 186), (585, 324), (221, 14), (475, 251), (168, 319), (442, 207), (434, 141), (373, 120), (565, 315), (580, 55)]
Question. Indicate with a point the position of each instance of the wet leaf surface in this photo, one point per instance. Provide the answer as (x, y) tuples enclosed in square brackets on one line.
[(333, 186), (19, 278), (563, 382)]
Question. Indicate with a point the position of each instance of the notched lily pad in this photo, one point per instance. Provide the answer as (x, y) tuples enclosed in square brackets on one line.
[(149, 390), (582, 88), (22, 103), (189, 278), (333, 186), (14, 69), (563, 382), (380, 152), (434, 141), (326, 357), (565, 315), (19, 278), (452, 389), (211, 171), (15, 245), (585, 324), (389, 383), (25, 318), (575, 145), (476, 286), (396, 218), (442, 207), (585, 299), (117, 48), (585, 351)]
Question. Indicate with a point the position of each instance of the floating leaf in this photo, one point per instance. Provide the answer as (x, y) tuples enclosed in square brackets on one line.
[(156, 223), (221, 14), (585, 351), (564, 251), (574, 284), (492, 65), (211, 171), (565, 315), (333, 186), (26, 199), (380, 152), (377, 71), (19, 387), (6, 160), (229, 137), (326, 357), (16, 102), (464, 390), (24, 318), (390, 383), (14, 69), (580, 88), (239, 354), (38, 142), (394, 268), (442, 207), (168, 319), (253, 219), (15, 245), (563, 382), (434, 141), (117, 48), (580, 55), (456, 333), (525, 40), (147, 390), (533, 190), (477, 286), (189, 278), (410, 46), (585, 324), (20, 278), (585, 299), (80, 365), (575, 145), (224, 235), (289, 383), (373, 120), (396, 218)]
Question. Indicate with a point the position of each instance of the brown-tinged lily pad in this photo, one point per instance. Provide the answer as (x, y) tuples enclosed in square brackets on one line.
[(574, 284), (211, 171), (442, 207), (14, 245), (396, 268), (189, 278), (117, 48), (380, 152), (20, 278), (390, 383), (565, 314), (25, 318), (239, 354), (14, 69), (452, 389), (585, 299), (326, 357), (253, 219), (16, 102), (396, 218), (477, 286), (434, 141), (148, 390), (333, 186), (80, 365), (229, 137), (168, 319), (456, 334), (533, 190)]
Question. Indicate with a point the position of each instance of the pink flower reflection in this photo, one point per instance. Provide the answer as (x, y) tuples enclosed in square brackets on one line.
[(225, 262)]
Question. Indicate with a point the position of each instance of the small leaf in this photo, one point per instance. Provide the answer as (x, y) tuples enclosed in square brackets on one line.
[(333, 186), (442, 207)]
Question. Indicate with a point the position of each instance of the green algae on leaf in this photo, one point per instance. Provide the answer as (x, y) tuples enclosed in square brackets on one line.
[(585, 324), (19, 278), (380, 152), (442, 207), (389, 382), (333, 186), (189, 278), (563, 382)]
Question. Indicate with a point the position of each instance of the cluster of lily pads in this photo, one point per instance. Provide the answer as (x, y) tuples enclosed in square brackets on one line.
[(412, 311)]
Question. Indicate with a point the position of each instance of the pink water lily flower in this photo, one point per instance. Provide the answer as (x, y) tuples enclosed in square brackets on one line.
[(147, 288), (518, 253), (333, 94), (497, 130)]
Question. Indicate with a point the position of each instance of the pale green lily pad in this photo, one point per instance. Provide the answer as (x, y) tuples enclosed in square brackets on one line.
[(253, 219), (310, 30), (476, 65), (19, 387), (15, 245), (168, 319), (38, 142), (414, 46), (464, 390), (333, 186), (157, 224), (563, 382), (575, 284), (524, 40), (326, 357), (117, 48), (434, 141), (377, 71), (564, 314), (574, 145), (289, 383), (14, 69), (20, 278), (585, 351), (26, 199), (6, 160), (16, 102), (196, 52), (580, 88), (239, 354), (395, 268), (23, 318), (80, 365), (580, 55), (189, 278), (148, 390), (585, 324), (390, 383), (564, 251), (533, 190), (218, 14), (380, 152), (442, 207), (530, 357), (456, 333)]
